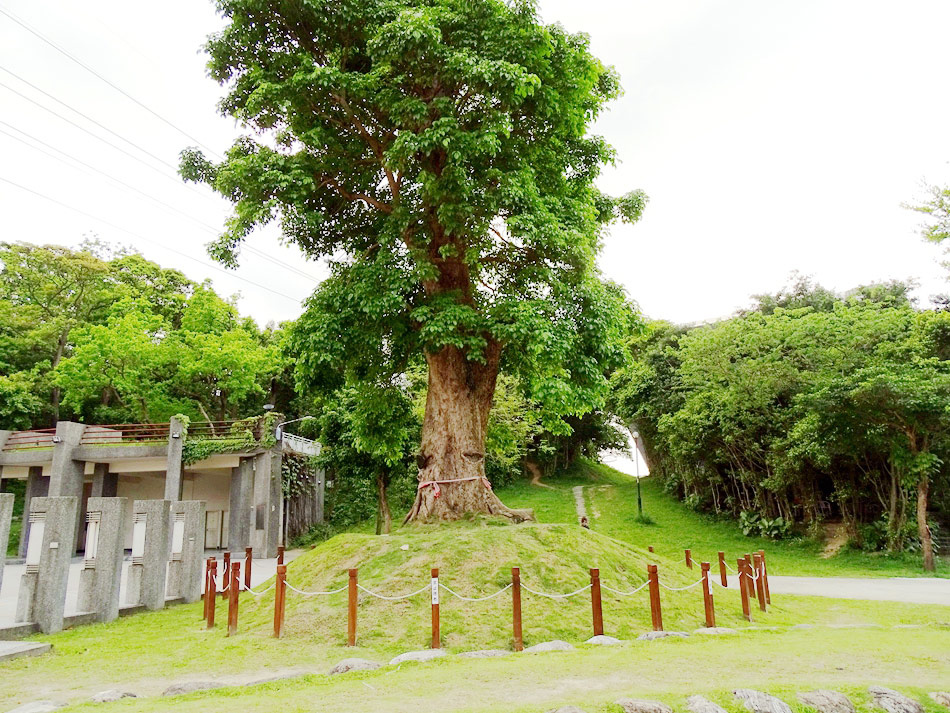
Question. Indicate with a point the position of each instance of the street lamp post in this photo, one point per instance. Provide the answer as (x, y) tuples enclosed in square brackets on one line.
[(636, 460)]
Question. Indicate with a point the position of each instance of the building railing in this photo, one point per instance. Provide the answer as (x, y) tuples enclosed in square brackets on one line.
[(123, 434), (34, 438), (303, 446)]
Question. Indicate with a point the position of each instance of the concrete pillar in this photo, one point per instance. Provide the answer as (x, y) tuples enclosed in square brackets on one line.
[(239, 519), (150, 542), (104, 483), (6, 518), (37, 486), (267, 503), (174, 469), (187, 551), (42, 595), (66, 474), (102, 565)]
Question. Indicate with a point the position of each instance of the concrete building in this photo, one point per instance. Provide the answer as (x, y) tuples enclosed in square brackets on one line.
[(240, 483)]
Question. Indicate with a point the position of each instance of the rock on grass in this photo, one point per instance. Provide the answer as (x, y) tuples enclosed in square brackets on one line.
[(759, 702), (701, 704), (654, 635), (637, 705), (827, 701), (347, 665), (424, 655), (180, 689), (894, 702), (556, 645), (111, 695), (941, 697), (37, 707)]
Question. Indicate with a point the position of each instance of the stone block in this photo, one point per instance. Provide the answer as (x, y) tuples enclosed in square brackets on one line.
[(187, 550), (102, 565), (42, 595), (150, 548), (6, 519)]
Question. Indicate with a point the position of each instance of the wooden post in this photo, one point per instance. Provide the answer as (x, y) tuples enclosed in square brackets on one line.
[(207, 595), (743, 589), (722, 569), (760, 582), (595, 602), (689, 559), (211, 601), (233, 592), (225, 573), (248, 554), (351, 610), (655, 612), (280, 598), (650, 548), (708, 603), (280, 555), (516, 607), (436, 639), (765, 576), (750, 584)]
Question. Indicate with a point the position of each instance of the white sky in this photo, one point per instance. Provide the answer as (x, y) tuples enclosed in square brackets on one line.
[(771, 137)]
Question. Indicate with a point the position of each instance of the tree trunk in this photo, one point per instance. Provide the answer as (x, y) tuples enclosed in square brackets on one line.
[(451, 458), (384, 518), (923, 529)]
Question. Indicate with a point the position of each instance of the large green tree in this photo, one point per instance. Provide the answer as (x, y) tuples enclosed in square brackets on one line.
[(437, 152)]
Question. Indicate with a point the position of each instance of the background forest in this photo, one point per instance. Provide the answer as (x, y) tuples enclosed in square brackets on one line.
[(810, 405)]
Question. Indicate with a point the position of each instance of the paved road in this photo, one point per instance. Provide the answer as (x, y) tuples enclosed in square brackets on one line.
[(890, 589)]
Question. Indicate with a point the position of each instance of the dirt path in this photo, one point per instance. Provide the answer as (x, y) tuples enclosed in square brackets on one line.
[(579, 502)]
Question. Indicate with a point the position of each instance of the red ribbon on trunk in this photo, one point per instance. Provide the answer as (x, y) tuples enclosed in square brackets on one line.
[(437, 491)]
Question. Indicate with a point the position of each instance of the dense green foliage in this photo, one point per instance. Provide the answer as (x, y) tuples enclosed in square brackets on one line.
[(106, 336), (811, 397)]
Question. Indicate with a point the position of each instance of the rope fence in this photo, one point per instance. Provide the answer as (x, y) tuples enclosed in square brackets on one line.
[(751, 570)]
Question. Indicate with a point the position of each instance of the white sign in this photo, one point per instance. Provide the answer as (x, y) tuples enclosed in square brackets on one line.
[(34, 548), (92, 540), (435, 590), (178, 537), (138, 538)]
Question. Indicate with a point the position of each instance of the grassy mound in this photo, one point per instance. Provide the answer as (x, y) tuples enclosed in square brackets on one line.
[(475, 560)]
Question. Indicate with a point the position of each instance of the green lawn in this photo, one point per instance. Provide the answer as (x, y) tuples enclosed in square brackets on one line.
[(611, 499), (783, 663), (850, 645)]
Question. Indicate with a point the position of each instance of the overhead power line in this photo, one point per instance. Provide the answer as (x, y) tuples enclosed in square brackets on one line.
[(93, 135), (96, 74), (162, 204), (89, 119), (144, 239)]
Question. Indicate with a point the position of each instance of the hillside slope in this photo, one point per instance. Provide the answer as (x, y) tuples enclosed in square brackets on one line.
[(611, 500), (475, 560)]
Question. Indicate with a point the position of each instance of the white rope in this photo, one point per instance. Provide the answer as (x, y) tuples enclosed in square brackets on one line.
[(680, 589), (476, 599), (313, 594), (557, 596), (624, 594), (426, 588), (256, 594), (728, 567)]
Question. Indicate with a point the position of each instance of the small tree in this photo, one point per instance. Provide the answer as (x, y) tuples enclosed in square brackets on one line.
[(438, 152)]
